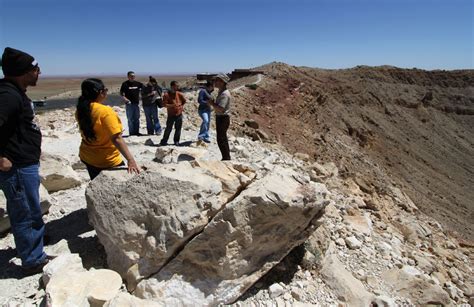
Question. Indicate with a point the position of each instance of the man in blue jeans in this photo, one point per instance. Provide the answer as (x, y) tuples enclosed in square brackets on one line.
[(150, 92), (20, 149), (130, 91), (204, 111)]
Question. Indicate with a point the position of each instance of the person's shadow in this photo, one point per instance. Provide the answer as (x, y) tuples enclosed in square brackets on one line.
[(70, 228), (7, 268)]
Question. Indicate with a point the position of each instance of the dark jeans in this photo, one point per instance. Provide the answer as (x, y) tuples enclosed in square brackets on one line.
[(222, 124), (133, 117), (21, 188), (95, 171), (152, 122), (177, 121)]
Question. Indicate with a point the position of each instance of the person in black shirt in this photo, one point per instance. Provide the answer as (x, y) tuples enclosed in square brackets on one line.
[(130, 91), (150, 93), (20, 150)]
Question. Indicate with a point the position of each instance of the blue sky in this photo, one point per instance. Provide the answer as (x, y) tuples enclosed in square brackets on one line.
[(112, 37)]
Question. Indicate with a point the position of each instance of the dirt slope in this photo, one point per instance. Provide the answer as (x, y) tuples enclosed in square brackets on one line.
[(410, 127)]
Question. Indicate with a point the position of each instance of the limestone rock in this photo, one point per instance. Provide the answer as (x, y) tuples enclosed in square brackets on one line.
[(383, 301), (402, 200), (345, 286), (83, 288), (63, 264), (353, 243), (233, 177), (302, 156), (318, 243), (242, 242), (62, 247), (128, 300), (173, 154), (144, 220), (45, 203), (276, 290), (56, 174), (361, 223), (411, 283)]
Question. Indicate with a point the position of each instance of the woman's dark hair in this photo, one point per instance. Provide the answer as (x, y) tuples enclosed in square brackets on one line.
[(90, 90)]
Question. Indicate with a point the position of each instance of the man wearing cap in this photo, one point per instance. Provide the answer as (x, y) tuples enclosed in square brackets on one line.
[(20, 149), (222, 107)]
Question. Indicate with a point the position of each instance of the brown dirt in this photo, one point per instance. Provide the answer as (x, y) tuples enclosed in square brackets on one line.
[(381, 125)]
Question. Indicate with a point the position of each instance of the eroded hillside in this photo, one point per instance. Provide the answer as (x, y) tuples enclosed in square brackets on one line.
[(382, 125)]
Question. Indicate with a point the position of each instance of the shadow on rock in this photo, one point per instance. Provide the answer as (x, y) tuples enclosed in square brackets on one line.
[(282, 272)]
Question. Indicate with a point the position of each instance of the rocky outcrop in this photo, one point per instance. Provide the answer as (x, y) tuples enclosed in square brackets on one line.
[(241, 243), (145, 220)]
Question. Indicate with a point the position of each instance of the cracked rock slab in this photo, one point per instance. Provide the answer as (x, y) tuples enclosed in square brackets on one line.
[(241, 243)]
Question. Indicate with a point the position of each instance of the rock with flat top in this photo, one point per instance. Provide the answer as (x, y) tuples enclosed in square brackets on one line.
[(241, 243), (90, 288), (56, 174), (143, 220), (62, 264)]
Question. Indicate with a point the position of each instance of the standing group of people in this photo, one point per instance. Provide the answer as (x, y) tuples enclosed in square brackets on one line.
[(173, 100), (150, 93), (102, 145)]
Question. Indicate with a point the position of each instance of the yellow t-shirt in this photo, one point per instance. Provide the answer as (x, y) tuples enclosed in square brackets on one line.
[(102, 153)]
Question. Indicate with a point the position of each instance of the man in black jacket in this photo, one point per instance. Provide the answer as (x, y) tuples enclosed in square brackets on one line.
[(20, 149)]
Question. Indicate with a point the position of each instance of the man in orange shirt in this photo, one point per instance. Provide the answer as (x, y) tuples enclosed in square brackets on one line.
[(173, 101)]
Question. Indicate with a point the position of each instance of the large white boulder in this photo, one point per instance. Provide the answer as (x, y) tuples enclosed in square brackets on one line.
[(242, 242), (144, 220)]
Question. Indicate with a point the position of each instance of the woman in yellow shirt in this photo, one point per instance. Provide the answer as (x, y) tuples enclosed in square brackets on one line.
[(101, 131)]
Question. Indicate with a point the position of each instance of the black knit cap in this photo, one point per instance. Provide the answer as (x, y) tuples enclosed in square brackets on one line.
[(16, 62)]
